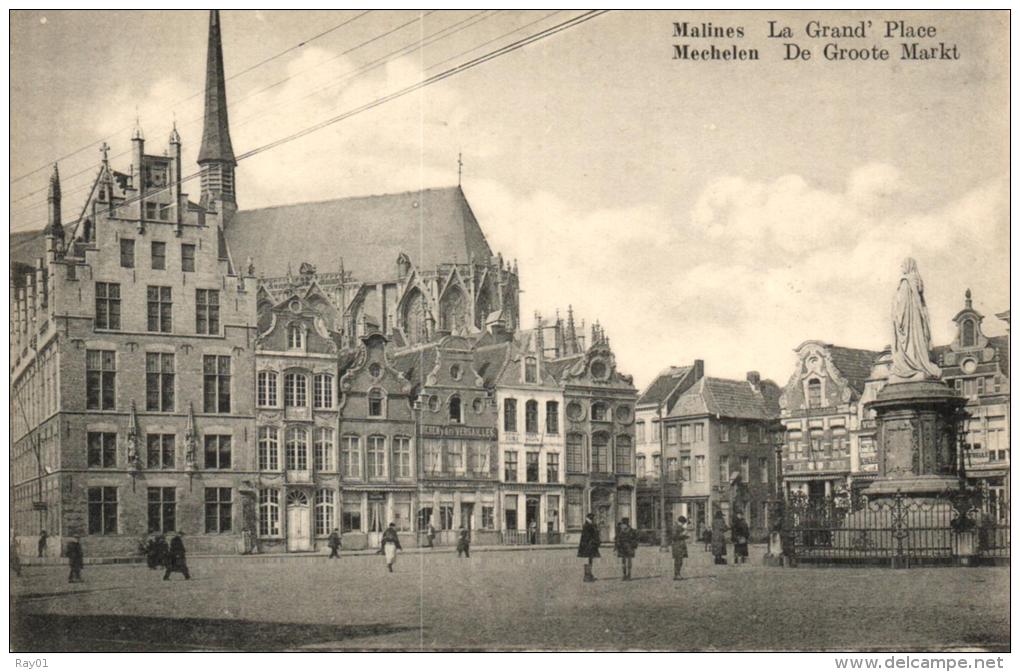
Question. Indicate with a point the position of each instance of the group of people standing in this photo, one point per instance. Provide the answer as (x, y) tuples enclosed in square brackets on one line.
[(626, 543), (172, 556)]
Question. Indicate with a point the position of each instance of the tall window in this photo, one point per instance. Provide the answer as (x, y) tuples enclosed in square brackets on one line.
[(699, 468), (745, 469), (187, 257), (600, 453), (100, 379), (446, 516), (350, 457), (216, 380), (642, 463), (160, 302), (685, 467), (107, 305), (324, 449), (814, 390), (575, 508), (207, 311), (967, 338), (161, 450), (639, 431), (510, 466), (685, 434), (671, 469), (624, 448), (323, 391), (158, 256), (269, 449), (295, 337), (127, 252), (699, 430), (509, 415), (162, 509), (724, 469), (266, 388), (531, 416), (552, 467), (575, 454), (531, 467), (455, 456), (671, 435), (325, 508), (530, 370), (401, 457), (375, 403), (218, 510), (102, 449), (744, 434), (431, 454), (482, 457), (552, 417), (269, 512), (102, 506), (599, 412), (295, 390), (724, 433), (456, 412), (375, 461), (297, 448), (763, 469), (217, 451), (159, 381)]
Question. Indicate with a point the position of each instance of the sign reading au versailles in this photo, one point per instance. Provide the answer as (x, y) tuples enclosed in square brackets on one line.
[(458, 432)]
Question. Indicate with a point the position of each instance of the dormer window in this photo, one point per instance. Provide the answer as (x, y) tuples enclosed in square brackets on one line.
[(968, 337), (456, 412), (814, 393), (530, 370), (295, 337), (376, 400)]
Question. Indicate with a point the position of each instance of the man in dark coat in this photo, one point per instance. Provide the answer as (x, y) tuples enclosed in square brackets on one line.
[(464, 542), (589, 546), (176, 562), (678, 546), (626, 546), (42, 543), (160, 551), (334, 543), (741, 535), (75, 559)]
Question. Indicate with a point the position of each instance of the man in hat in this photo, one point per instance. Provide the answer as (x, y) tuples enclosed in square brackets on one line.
[(334, 543), (75, 559), (626, 546), (589, 546), (177, 561)]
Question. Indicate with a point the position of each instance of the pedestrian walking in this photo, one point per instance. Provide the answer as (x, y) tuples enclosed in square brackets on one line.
[(678, 546), (160, 551), (334, 543), (464, 543), (390, 545), (626, 546), (42, 543), (719, 530), (589, 546), (177, 560), (532, 533), (430, 536), (75, 559), (741, 534)]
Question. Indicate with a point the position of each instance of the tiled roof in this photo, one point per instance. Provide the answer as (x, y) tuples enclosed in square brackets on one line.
[(416, 364), (729, 399), (489, 361), (664, 383), (432, 226), (557, 366), (854, 364)]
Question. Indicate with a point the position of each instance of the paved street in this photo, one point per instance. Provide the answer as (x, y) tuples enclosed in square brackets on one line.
[(506, 600)]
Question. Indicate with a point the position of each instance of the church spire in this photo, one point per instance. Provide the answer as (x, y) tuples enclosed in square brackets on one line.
[(216, 155), (53, 225)]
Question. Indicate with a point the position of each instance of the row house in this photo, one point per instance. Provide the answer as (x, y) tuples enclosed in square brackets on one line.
[(660, 481), (531, 445), (297, 415), (725, 433), (599, 433), (131, 368)]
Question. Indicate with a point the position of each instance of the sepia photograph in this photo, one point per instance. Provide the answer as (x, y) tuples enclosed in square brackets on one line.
[(490, 330)]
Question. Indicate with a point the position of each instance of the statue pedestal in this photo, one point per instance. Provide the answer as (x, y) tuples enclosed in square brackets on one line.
[(916, 436)]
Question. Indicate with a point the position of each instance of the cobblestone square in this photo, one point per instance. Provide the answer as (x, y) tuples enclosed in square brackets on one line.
[(507, 600)]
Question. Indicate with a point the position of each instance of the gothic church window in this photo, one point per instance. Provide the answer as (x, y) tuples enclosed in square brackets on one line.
[(453, 312), (414, 317)]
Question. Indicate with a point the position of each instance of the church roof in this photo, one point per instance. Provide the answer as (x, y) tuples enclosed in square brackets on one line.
[(729, 399), (432, 226)]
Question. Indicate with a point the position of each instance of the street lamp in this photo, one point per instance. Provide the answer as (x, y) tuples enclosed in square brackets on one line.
[(662, 481)]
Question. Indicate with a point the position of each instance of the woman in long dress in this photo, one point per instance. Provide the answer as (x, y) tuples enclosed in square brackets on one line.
[(390, 545), (719, 529)]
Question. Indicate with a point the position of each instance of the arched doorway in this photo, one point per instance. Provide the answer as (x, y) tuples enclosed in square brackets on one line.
[(602, 508), (299, 536)]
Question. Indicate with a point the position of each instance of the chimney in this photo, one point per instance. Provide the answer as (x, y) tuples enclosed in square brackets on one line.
[(754, 378), (699, 369)]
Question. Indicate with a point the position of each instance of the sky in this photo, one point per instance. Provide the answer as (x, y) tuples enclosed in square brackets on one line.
[(724, 211)]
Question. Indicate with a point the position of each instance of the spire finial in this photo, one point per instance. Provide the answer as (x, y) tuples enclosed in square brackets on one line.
[(460, 167), (966, 297), (137, 133), (105, 150), (175, 137)]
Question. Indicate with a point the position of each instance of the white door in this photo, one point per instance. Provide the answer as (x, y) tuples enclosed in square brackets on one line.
[(299, 536)]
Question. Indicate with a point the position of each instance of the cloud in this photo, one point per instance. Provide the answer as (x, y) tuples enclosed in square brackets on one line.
[(754, 268)]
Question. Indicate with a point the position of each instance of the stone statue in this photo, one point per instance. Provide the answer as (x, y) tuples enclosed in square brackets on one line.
[(911, 330)]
